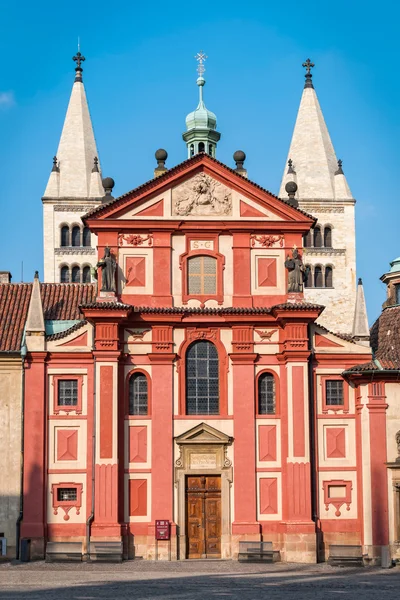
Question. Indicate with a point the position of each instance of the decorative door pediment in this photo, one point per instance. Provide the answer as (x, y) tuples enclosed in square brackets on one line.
[(203, 434)]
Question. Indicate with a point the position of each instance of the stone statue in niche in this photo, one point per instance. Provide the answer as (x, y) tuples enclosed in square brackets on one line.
[(202, 195), (297, 271), (398, 446), (108, 266)]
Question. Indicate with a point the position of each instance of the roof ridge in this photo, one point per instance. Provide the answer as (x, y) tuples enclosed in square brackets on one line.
[(179, 167)]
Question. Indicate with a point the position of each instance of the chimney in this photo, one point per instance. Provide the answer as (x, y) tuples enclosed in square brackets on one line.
[(5, 277)]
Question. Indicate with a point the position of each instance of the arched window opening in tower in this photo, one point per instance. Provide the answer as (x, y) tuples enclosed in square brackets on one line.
[(210, 149), (201, 147), (64, 274), (328, 277), (318, 278), (76, 275), (86, 274), (138, 394), (308, 283), (76, 236), (307, 240), (328, 237), (317, 237), (65, 235), (202, 379), (86, 236), (191, 149)]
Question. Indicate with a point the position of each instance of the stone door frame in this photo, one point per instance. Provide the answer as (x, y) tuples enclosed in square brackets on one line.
[(203, 451)]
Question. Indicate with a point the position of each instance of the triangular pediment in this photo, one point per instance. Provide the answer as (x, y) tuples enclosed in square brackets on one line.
[(203, 434), (201, 188)]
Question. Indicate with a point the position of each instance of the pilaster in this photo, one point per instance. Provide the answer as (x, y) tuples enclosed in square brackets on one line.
[(244, 431), (35, 411)]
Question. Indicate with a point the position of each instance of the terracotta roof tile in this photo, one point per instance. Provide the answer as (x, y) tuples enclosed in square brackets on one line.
[(385, 343), (14, 304), (60, 302)]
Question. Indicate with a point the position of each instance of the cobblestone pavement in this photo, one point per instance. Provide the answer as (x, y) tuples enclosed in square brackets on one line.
[(194, 580)]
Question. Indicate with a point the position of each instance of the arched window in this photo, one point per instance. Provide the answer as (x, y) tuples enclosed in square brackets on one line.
[(76, 236), (328, 277), (64, 274), (76, 275), (210, 149), (86, 236), (328, 237), (202, 379), (202, 275), (397, 290), (65, 235), (317, 237), (201, 147), (318, 279), (191, 149), (308, 277), (86, 275), (307, 240), (266, 394), (138, 394)]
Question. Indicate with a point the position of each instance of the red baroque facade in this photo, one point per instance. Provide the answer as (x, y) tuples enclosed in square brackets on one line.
[(201, 393)]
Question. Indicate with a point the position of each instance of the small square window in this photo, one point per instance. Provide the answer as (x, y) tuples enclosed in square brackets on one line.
[(334, 392), (67, 392), (66, 494)]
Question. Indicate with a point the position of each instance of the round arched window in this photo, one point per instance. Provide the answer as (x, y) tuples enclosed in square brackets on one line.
[(202, 379)]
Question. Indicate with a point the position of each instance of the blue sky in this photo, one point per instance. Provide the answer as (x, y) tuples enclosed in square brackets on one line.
[(140, 80)]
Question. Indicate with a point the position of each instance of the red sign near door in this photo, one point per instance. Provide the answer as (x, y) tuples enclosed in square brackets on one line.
[(163, 530)]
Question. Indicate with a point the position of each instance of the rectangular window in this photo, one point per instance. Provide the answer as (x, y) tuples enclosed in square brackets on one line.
[(202, 275), (334, 392), (66, 494), (67, 392)]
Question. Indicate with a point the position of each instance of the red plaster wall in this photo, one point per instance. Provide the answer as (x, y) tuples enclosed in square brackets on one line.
[(269, 496), (267, 442), (138, 444), (138, 497), (106, 411), (298, 412)]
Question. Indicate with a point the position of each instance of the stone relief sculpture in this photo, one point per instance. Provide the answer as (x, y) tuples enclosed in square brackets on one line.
[(297, 271), (398, 446), (108, 266), (203, 196)]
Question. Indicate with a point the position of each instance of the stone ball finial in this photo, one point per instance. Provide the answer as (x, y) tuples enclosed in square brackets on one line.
[(161, 154), (108, 183), (239, 156), (291, 187)]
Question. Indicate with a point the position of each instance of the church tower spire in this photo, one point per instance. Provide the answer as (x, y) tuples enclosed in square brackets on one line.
[(73, 188), (201, 133), (322, 190)]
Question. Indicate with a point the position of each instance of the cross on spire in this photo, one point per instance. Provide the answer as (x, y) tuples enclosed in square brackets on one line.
[(308, 66), (201, 58), (78, 58)]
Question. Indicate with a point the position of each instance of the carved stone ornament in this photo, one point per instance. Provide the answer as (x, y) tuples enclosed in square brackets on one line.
[(398, 446), (266, 241), (135, 239), (202, 195)]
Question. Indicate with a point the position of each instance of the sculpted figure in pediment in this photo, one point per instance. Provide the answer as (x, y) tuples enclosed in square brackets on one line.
[(202, 196)]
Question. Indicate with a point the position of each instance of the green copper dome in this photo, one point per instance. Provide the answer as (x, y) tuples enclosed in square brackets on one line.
[(201, 133), (201, 117), (395, 265)]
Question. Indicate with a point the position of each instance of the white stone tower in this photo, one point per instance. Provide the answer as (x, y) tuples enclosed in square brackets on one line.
[(74, 187), (322, 190)]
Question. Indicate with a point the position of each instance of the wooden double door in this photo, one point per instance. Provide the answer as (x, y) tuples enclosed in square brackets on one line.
[(203, 516)]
